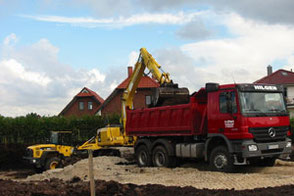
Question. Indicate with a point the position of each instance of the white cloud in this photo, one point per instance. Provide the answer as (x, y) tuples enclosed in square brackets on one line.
[(194, 30), (10, 39), (13, 70), (32, 79), (94, 75), (146, 18), (133, 57), (271, 11), (241, 58)]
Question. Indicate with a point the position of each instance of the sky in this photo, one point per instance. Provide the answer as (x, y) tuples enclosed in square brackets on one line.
[(51, 49)]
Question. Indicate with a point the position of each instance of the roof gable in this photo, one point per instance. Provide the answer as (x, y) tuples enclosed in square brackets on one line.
[(280, 76), (85, 92)]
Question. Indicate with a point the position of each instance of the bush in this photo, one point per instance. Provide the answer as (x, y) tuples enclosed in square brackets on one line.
[(33, 128)]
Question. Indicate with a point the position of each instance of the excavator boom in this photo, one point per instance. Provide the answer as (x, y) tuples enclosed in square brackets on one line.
[(167, 94)]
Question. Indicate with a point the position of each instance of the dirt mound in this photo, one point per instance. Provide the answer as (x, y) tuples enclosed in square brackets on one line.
[(76, 187), (11, 157), (120, 170)]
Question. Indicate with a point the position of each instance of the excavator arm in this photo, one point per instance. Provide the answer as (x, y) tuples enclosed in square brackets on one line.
[(166, 91), (167, 94)]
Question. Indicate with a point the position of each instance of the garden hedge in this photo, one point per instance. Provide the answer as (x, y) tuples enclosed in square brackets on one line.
[(33, 128)]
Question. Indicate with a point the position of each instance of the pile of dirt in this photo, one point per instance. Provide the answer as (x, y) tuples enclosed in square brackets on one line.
[(191, 174), (76, 187), (11, 156)]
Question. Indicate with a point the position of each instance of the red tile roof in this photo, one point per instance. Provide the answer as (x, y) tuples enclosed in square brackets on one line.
[(85, 92), (280, 76), (145, 82), (90, 93)]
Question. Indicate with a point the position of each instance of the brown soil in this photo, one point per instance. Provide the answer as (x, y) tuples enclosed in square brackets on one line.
[(189, 174), (11, 157), (76, 187)]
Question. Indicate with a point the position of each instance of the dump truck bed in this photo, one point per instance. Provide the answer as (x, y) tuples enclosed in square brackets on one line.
[(177, 120)]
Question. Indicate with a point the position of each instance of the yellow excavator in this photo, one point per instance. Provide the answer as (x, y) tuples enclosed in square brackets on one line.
[(167, 93), (50, 156)]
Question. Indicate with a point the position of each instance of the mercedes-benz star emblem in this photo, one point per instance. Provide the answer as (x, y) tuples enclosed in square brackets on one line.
[(272, 132)]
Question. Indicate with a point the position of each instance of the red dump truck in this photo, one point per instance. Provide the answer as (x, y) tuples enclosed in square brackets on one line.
[(226, 125)]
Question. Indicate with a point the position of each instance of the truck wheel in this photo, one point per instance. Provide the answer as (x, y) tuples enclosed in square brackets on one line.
[(221, 160), (160, 158), (52, 163), (143, 157)]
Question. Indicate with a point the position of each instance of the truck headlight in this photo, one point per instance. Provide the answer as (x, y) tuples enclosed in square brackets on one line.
[(288, 145), (34, 161), (252, 147)]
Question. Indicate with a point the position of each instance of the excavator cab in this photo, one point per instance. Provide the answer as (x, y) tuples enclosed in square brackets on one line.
[(61, 138)]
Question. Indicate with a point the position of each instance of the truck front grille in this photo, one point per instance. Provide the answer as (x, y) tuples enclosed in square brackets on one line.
[(271, 151), (261, 134)]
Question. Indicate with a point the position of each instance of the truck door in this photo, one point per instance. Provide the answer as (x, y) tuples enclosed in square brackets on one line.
[(227, 120)]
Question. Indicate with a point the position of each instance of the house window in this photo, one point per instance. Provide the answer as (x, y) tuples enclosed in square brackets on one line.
[(90, 105), (81, 105), (148, 100)]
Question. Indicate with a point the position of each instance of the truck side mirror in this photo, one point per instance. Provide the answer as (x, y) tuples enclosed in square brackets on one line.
[(211, 87)]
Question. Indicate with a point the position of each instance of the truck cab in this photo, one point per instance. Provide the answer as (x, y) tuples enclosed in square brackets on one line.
[(252, 119)]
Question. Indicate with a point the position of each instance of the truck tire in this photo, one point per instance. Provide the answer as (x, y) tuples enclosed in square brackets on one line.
[(143, 156), (221, 160), (160, 158), (52, 163)]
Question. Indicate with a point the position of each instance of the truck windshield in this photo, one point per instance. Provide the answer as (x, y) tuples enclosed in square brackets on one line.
[(262, 102)]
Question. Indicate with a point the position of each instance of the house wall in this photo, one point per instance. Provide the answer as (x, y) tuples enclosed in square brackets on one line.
[(290, 94), (74, 109), (114, 106)]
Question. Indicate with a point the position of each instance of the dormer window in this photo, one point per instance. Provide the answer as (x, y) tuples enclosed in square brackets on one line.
[(284, 73), (85, 91)]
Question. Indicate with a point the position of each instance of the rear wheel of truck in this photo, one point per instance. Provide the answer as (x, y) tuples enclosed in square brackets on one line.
[(221, 160), (52, 163), (161, 158), (143, 157)]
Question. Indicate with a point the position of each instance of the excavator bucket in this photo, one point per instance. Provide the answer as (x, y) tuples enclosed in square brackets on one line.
[(170, 94)]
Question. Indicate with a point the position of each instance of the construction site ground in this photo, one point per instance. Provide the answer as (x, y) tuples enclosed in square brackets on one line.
[(121, 176)]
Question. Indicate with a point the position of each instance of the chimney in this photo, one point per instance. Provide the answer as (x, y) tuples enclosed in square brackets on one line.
[(269, 70), (130, 71)]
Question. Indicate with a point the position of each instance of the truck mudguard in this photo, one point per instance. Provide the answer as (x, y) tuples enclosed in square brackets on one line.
[(168, 146), (214, 135)]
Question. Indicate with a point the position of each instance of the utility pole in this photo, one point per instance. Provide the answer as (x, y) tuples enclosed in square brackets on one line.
[(91, 173)]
